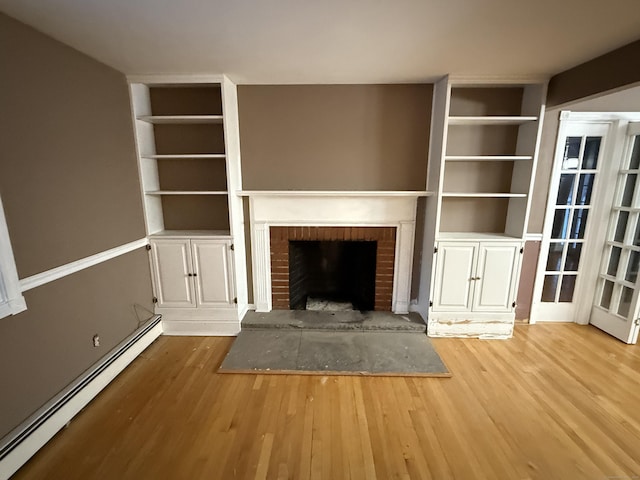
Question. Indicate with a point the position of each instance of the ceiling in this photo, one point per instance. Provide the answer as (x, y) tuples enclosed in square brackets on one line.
[(336, 41)]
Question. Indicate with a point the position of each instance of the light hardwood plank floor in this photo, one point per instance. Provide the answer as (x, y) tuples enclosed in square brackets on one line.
[(554, 402)]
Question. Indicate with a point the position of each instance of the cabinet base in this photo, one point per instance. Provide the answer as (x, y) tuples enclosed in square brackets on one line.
[(200, 321), (200, 328), (496, 326)]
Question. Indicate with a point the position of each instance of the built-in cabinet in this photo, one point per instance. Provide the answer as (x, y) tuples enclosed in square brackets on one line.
[(187, 133), (475, 277), (483, 154), (193, 273)]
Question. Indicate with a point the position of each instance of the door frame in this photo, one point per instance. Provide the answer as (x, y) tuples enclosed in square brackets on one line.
[(604, 188)]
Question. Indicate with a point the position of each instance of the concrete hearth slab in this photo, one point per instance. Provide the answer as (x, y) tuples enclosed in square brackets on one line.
[(333, 353), (277, 349), (339, 343), (341, 321)]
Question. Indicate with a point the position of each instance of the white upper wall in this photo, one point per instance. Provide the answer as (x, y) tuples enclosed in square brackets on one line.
[(336, 41)]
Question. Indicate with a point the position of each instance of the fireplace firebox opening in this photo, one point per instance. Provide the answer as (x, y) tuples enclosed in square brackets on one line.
[(332, 275), (384, 239)]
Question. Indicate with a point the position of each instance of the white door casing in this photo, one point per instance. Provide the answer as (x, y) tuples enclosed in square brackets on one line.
[(172, 266)]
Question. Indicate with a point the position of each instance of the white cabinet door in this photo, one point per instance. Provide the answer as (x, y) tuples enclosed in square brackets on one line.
[(213, 272), (172, 270), (495, 277), (455, 267)]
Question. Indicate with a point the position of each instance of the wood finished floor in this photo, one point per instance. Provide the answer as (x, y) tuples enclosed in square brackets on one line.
[(555, 402)]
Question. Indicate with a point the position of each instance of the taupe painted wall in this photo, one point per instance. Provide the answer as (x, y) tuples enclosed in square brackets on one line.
[(527, 279), (334, 137), (612, 70), (68, 181), (45, 348), (68, 175)]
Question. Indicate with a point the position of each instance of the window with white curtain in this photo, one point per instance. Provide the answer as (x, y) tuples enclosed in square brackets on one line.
[(11, 299)]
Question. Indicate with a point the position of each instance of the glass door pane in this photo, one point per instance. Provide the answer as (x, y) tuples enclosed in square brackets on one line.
[(619, 274), (578, 174)]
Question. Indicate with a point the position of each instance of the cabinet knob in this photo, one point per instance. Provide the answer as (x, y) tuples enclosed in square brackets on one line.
[(190, 274)]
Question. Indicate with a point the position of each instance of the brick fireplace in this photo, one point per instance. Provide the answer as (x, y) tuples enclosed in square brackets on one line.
[(387, 218), (385, 238)]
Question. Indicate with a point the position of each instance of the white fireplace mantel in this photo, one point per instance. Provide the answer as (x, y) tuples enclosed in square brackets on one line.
[(340, 209)]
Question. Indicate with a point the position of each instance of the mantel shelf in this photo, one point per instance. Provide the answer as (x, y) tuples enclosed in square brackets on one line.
[(180, 119), (332, 193), (491, 120)]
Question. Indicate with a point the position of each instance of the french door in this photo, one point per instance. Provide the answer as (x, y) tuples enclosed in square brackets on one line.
[(615, 307), (571, 211)]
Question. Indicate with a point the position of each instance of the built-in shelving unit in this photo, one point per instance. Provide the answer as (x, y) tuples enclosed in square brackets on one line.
[(187, 133), (181, 140), (489, 146), (483, 155)]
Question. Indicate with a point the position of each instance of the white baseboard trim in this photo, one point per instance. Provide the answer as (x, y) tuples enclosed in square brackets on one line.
[(21, 444), (62, 271), (200, 328)]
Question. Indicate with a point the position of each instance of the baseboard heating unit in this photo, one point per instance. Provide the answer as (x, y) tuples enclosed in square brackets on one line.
[(25, 440)]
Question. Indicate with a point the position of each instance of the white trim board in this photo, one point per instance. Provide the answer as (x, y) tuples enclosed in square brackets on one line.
[(62, 271), (40, 428), (11, 299), (533, 237)]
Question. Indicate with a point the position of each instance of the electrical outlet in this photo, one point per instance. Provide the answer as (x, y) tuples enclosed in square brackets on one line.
[(96, 340)]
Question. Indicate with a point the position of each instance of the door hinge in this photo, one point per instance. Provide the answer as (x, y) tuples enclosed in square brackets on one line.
[(148, 247), (637, 322), (430, 303), (513, 305), (232, 247), (235, 300), (154, 300), (521, 249), (435, 249)]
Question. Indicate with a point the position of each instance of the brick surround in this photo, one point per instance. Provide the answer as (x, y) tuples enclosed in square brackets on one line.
[(385, 258)]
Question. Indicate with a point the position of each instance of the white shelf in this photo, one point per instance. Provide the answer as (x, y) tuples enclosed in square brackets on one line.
[(191, 233), (186, 156), (483, 195), (180, 119), (491, 120), (487, 158), (186, 192), (333, 193), (475, 236)]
